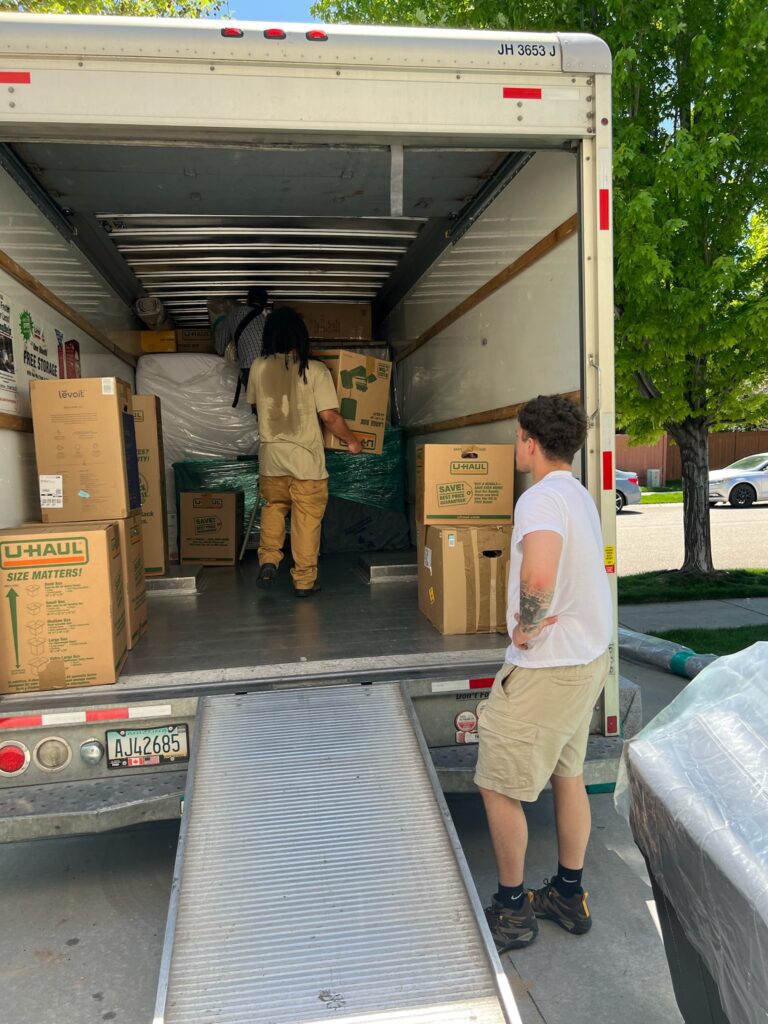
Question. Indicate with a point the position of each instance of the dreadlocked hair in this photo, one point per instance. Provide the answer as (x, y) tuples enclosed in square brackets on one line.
[(285, 333)]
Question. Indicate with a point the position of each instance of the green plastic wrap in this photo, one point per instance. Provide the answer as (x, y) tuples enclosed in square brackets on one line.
[(375, 480), (219, 475)]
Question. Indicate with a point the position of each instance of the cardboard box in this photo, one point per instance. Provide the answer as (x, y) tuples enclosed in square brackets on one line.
[(85, 443), (154, 509), (158, 341), (334, 321), (362, 384), (465, 484), (62, 617), (463, 577), (194, 339), (210, 527)]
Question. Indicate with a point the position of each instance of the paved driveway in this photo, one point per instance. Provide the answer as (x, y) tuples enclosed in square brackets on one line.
[(650, 537)]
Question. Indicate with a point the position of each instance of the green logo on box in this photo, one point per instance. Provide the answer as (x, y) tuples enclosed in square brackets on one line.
[(468, 468)]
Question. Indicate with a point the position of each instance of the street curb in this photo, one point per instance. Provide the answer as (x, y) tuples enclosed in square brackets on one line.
[(651, 650)]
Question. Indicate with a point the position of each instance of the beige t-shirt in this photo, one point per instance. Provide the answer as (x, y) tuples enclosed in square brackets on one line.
[(291, 441)]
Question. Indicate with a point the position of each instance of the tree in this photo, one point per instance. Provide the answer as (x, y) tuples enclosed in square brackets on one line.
[(122, 8), (690, 200)]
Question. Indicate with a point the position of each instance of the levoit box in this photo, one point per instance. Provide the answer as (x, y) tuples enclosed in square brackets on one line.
[(362, 386), (465, 484), (210, 527), (62, 614), (463, 577), (149, 448), (85, 443)]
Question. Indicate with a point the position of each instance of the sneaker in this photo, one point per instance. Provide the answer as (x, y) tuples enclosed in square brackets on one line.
[(511, 929), (267, 574), (307, 591), (570, 912)]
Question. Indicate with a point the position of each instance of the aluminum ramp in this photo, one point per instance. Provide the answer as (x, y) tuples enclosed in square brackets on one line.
[(318, 875)]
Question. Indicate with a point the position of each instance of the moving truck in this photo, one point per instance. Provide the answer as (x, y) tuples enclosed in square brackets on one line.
[(458, 181)]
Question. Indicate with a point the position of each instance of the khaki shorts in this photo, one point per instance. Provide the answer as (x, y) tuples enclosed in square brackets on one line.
[(535, 725)]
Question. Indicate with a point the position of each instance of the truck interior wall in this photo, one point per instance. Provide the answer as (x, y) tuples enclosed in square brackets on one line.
[(522, 340), (31, 240)]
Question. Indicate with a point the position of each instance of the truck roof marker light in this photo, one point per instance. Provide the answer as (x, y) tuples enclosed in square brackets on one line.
[(232, 33), (316, 35), (515, 93), (274, 33)]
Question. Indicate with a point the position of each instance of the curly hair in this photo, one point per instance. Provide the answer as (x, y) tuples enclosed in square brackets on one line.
[(557, 423)]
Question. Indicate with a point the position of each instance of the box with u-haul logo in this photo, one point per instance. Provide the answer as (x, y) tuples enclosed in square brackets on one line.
[(465, 484), (210, 527), (62, 607)]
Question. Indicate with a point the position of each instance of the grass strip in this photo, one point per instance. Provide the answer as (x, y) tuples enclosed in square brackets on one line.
[(716, 641), (673, 585)]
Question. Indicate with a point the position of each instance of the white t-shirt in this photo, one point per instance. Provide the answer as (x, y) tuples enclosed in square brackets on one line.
[(582, 596)]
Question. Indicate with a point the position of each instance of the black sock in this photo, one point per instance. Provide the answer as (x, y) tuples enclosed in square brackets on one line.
[(567, 881), (511, 896)]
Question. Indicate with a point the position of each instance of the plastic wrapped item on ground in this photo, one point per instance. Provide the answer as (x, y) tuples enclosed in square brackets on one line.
[(652, 650), (694, 783), (220, 475), (375, 480)]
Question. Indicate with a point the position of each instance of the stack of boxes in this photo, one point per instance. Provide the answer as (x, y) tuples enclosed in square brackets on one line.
[(77, 579), (464, 501)]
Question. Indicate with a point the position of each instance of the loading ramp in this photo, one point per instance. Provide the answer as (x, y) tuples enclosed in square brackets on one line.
[(318, 875)]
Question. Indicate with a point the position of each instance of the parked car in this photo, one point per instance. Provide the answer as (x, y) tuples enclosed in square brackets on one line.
[(742, 483), (627, 489)]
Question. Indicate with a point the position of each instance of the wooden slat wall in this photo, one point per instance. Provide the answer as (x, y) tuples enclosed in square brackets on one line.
[(724, 448)]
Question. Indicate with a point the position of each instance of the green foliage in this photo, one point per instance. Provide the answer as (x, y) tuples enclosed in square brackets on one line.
[(650, 587), (119, 8), (717, 641)]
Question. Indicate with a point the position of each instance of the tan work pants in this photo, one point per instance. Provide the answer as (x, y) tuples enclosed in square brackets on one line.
[(306, 501)]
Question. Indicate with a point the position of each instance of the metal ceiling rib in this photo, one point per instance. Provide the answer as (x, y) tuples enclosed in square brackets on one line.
[(184, 260)]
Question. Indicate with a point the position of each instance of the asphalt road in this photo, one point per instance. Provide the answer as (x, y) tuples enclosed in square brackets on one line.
[(650, 537)]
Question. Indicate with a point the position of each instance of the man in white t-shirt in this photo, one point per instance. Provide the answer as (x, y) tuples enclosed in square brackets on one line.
[(535, 726)]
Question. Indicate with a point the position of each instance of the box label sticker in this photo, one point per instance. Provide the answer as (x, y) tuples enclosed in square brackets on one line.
[(51, 491), (467, 737), (431, 593), (465, 721), (610, 558), (107, 385), (428, 558), (457, 493), (451, 540)]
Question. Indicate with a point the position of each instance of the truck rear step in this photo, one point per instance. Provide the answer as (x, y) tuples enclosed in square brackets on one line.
[(318, 870)]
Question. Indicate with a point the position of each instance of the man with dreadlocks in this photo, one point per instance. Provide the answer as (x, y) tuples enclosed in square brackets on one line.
[(292, 394)]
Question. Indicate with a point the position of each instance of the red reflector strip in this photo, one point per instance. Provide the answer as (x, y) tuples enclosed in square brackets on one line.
[(612, 725), (605, 209), (481, 684), (15, 77), (21, 722), (513, 93), (607, 471), (106, 715)]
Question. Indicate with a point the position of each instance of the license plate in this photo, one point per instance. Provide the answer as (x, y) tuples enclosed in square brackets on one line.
[(144, 748)]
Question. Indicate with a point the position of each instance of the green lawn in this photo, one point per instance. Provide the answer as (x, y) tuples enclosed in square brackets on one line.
[(647, 587), (661, 497), (716, 641)]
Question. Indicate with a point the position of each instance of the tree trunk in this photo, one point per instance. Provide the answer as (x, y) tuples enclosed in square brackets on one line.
[(692, 437)]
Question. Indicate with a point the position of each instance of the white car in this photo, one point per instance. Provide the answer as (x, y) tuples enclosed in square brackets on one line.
[(742, 483)]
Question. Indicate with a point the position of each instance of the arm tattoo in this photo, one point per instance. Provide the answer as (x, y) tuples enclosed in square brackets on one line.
[(534, 605)]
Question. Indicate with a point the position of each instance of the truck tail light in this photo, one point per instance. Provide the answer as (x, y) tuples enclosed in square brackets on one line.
[(633, 480), (14, 758), (53, 753)]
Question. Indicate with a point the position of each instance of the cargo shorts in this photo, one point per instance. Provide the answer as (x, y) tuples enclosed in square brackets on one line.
[(535, 725)]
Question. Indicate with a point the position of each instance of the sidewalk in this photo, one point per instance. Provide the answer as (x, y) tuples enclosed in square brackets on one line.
[(748, 611)]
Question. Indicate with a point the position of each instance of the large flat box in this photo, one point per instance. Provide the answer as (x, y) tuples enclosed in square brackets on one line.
[(63, 616), (210, 527), (465, 484), (154, 502), (463, 575), (334, 321), (85, 442), (134, 583), (157, 341), (194, 339), (362, 385)]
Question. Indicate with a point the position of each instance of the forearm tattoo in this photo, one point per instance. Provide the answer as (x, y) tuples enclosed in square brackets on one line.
[(534, 605)]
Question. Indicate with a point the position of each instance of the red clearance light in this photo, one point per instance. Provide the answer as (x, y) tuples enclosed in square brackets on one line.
[(232, 33), (274, 33), (14, 758), (316, 36)]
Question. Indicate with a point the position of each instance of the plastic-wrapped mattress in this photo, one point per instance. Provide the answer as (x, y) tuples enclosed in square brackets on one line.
[(196, 393), (698, 786)]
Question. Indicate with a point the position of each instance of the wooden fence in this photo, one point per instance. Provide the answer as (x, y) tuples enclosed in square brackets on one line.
[(724, 448)]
